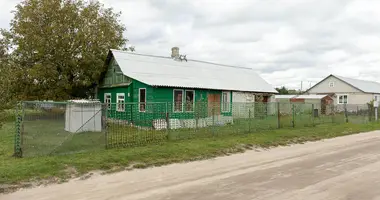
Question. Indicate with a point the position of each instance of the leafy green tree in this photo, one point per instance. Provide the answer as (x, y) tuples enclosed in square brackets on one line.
[(282, 90), (5, 74), (59, 47)]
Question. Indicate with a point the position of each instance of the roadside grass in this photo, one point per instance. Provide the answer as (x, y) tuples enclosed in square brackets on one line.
[(62, 167)]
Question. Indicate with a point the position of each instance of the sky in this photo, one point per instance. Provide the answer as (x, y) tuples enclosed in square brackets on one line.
[(285, 41)]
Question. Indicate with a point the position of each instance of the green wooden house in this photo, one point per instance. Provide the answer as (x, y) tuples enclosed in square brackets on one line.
[(154, 91)]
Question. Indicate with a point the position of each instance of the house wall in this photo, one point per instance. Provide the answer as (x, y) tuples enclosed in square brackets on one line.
[(159, 102), (355, 96), (114, 76), (166, 95), (339, 87), (244, 104), (127, 90)]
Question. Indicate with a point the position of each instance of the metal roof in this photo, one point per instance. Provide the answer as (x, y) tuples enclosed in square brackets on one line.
[(83, 101), (167, 72), (365, 86), (300, 96), (311, 96), (284, 96)]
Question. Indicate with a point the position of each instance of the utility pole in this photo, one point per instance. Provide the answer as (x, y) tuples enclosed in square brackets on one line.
[(301, 87)]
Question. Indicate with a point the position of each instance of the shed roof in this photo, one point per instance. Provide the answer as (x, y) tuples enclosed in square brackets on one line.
[(310, 96), (83, 101), (284, 96), (166, 72)]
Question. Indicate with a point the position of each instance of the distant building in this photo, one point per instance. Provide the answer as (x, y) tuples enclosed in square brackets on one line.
[(347, 90)]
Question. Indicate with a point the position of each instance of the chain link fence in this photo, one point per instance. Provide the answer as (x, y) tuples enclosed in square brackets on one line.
[(46, 128)]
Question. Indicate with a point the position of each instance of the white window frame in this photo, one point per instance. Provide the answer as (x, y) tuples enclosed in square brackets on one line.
[(228, 103), (174, 103), (120, 106), (192, 99), (331, 84), (110, 100), (342, 95), (140, 100)]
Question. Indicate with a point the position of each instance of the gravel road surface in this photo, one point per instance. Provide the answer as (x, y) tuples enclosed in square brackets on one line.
[(340, 168)]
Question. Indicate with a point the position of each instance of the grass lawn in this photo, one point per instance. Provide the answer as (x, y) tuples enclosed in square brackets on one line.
[(15, 170), (45, 137), (48, 137)]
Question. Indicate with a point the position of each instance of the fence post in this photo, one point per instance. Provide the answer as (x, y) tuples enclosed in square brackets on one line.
[(312, 114), (196, 115), (332, 113), (375, 108), (167, 121), (293, 116), (357, 110), (278, 115), (213, 116), (213, 119), (249, 120), (105, 124), (18, 134), (345, 112), (376, 117)]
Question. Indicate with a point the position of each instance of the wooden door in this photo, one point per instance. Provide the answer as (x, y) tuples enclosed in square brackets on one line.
[(213, 104)]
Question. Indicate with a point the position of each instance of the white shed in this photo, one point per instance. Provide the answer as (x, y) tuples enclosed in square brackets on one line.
[(83, 116), (243, 103)]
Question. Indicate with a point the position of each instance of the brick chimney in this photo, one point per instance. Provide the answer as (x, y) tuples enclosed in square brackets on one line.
[(175, 52)]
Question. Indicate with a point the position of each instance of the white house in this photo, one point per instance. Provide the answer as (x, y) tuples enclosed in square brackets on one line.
[(347, 90)]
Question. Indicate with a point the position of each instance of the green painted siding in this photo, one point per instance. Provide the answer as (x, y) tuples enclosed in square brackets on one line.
[(152, 111), (159, 100), (114, 76), (113, 113)]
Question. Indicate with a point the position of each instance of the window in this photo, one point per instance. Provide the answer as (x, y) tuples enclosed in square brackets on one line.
[(342, 99), (107, 100), (120, 102), (178, 100), (142, 99), (331, 84), (226, 102), (189, 101)]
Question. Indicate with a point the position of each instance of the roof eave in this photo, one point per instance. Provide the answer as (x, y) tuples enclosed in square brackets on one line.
[(203, 88)]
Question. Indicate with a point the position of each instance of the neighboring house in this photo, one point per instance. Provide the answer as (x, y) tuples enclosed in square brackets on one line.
[(347, 90), (141, 87)]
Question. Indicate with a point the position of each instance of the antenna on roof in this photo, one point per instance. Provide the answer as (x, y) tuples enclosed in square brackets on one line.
[(182, 58), (132, 48)]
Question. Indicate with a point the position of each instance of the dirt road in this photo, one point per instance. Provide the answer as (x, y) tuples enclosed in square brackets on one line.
[(340, 168)]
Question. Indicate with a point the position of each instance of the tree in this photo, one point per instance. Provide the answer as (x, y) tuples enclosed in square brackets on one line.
[(59, 47), (282, 90), (5, 74), (3, 81)]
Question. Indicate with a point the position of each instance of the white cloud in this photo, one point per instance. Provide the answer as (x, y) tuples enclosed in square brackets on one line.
[(286, 41)]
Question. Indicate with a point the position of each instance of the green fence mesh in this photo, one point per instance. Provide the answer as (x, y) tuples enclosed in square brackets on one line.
[(46, 128)]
